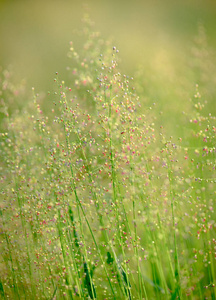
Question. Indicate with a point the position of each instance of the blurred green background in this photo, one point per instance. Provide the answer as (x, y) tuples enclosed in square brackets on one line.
[(35, 35)]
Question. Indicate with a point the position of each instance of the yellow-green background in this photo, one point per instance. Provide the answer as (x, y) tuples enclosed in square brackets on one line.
[(35, 35)]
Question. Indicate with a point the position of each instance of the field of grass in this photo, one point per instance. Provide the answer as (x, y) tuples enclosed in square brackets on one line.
[(108, 181)]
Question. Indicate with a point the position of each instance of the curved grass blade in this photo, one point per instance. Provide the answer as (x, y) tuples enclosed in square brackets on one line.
[(76, 237), (88, 282), (54, 293), (122, 273)]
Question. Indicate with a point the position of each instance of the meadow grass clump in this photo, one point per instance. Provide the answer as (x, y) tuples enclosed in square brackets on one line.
[(98, 201)]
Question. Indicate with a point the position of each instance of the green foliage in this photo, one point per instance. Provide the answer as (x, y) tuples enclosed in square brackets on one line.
[(98, 200)]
